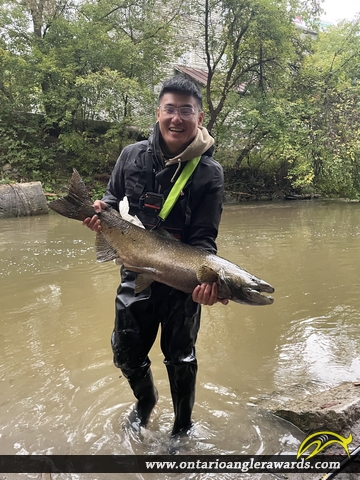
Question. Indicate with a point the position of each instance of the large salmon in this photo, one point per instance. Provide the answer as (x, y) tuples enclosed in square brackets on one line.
[(158, 256)]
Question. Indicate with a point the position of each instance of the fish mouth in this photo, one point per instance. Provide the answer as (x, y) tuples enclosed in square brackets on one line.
[(254, 297)]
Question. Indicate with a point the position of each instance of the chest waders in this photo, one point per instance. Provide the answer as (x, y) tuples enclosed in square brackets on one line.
[(136, 326)]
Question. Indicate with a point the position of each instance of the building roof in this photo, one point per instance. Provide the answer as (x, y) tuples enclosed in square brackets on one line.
[(197, 74), (201, 76)]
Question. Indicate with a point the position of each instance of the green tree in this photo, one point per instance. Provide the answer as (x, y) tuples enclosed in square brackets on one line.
[(86, 61), (248, 45), (252, 50), (324, 101)]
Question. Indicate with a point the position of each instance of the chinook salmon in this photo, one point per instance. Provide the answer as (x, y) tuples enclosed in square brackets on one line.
[(157, 256)]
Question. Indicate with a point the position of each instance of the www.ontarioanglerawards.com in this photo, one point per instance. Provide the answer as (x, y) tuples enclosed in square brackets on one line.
[(178, 463), (252, 464)]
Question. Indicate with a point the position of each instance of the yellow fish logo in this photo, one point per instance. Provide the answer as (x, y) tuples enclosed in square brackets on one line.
[(322, 440)]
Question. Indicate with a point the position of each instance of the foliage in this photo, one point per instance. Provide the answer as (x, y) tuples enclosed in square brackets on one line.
[(279, 101), (78, 81), (253, 51), (76, 63), (324, 99)]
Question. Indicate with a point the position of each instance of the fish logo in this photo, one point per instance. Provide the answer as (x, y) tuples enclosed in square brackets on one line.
[(322, 440)]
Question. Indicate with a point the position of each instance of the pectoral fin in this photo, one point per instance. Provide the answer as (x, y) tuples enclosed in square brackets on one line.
[(104, 251), (206, 274)]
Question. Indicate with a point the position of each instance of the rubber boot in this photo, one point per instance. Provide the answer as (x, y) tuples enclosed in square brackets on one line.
[(182, 379), (147, 397)]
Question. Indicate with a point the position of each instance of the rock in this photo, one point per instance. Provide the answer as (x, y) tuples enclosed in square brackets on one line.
[(336, 410)]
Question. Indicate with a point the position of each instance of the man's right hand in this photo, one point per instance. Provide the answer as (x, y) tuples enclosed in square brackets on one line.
[(207, 294), (94, 223)]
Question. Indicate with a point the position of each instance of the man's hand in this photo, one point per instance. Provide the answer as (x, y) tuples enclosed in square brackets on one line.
[(207, 294), (94, 223)]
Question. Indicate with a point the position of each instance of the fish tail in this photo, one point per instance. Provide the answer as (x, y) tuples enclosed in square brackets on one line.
[(77, 203)]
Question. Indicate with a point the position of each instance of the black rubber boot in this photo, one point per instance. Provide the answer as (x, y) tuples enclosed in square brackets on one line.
[(182, 379), (147, 397)]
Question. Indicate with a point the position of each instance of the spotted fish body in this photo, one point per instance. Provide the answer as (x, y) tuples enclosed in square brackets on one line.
[(157, 256)]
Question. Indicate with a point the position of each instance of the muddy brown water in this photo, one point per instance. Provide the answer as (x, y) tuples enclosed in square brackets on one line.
[(61, 394)]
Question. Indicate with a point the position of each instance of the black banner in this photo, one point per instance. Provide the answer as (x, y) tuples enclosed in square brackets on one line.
[(178, 463)]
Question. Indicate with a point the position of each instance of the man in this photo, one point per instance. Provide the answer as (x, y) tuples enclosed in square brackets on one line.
[(145, 173)]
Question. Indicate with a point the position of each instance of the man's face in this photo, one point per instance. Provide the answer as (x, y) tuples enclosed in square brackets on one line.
[(178, 131)]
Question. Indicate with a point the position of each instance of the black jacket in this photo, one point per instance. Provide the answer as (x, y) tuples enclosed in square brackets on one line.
[(196, 214)]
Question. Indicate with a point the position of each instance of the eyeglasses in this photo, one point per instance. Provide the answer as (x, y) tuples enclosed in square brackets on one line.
[(185, 112)]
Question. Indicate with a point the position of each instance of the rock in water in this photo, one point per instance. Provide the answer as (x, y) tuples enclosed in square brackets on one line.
[(336, 410)]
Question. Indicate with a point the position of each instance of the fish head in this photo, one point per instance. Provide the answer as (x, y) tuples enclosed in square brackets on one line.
[(247, 289)]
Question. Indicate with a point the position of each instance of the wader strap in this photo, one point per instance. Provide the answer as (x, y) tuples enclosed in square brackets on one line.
[(177, 187), (149, 171), (146, 178)]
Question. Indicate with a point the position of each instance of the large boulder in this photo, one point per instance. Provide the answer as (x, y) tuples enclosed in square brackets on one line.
[(336, 409)]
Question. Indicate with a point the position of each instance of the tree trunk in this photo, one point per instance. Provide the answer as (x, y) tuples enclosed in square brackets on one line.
[(22, 199)]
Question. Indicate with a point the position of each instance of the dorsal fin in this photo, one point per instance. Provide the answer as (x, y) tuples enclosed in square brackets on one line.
[(164, 234)]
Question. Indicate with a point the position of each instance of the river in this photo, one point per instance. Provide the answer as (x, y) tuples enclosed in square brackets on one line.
[(61, 394)]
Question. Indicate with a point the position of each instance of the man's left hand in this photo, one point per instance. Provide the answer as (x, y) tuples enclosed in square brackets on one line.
[(207, 294)]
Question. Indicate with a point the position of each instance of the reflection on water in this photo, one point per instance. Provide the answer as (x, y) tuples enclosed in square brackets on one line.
[(60, 392)]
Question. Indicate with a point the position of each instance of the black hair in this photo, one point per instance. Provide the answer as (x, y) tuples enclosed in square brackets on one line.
[(181, 84)]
